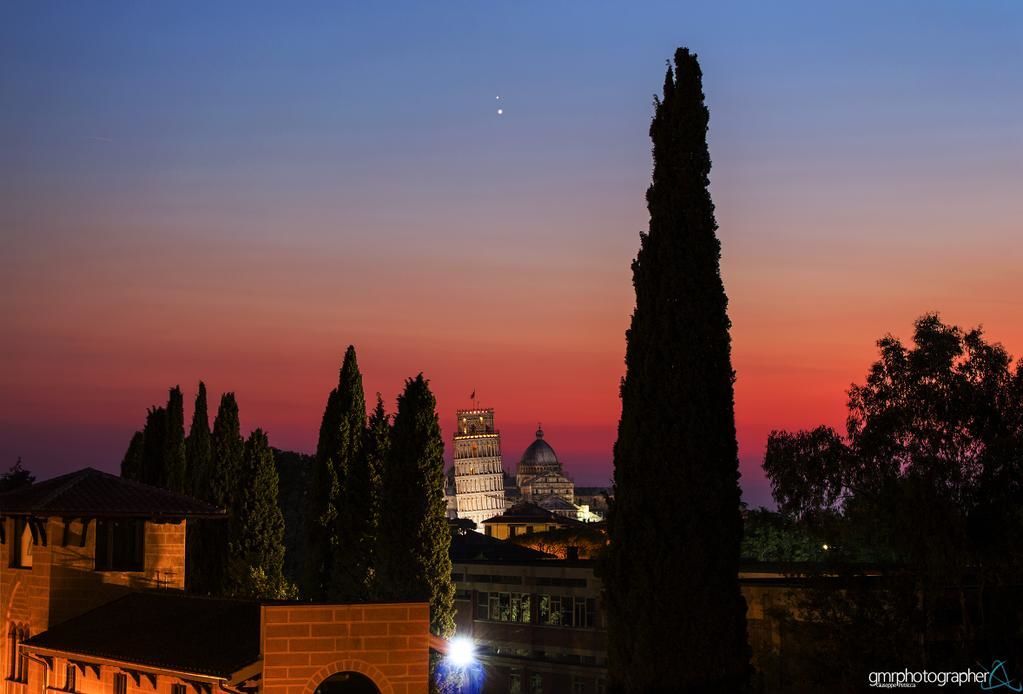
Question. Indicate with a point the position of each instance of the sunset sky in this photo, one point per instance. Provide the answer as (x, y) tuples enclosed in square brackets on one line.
[(235, 192)]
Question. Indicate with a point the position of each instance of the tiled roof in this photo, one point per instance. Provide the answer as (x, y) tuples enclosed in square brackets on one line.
[(92, 493), (525, 512), (163, 629), (553, 502), (473, 546)]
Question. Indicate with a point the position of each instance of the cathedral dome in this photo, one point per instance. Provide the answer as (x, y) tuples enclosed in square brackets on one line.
[(539, 457)]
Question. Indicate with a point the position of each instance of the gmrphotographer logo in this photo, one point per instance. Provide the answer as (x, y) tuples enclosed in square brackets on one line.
[(996, 678)]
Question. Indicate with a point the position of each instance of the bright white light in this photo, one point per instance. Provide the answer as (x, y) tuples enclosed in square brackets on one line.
[(500, 111), (461, 651), (825, 548)]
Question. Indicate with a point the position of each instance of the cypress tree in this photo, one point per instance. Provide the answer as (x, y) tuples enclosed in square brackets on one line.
[(154, 446), (676, 618), (331, 539), (350, 566), (256, 546), (228, 449), (375, 451), (131, 465), (412, 559), (174, 463), (198, 448), (199, 456)]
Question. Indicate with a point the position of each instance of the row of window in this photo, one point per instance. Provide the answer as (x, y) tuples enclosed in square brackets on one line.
[(19, 668), (535, 684), (475, 484), (120, 544), (551, 581), (545, 609)]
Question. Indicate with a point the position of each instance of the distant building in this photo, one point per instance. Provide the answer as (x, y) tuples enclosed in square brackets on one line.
[(525, 518), (539, 473), (92, 571), (478, 488), (478, 475)]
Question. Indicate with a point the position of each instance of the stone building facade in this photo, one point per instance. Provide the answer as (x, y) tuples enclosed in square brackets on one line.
[(478, 474), (92, 571)]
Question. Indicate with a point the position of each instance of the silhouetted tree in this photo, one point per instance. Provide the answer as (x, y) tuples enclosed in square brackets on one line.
[(350, 561), (375, 451), (154, 447), (16, 478), (412, 554), (131, 465), (322, 500), (199, 454), (931, 476), (256, 546), (330, 543), (228, 448), (175, 464), (676, 617), (198, 447)]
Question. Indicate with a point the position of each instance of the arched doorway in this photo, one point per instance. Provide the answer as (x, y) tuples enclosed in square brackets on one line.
[(347, 683)]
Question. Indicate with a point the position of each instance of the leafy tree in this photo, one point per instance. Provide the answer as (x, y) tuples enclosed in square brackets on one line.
[(412, 554), (804, 488), (16, 478), (676, 617), (131, 465), (256, 546), (775, 537), (174, 462), (932, 472)]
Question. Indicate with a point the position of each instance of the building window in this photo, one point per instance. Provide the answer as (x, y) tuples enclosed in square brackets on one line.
[(69, 678), (601, 686), (515, 683), (178, 689), (578, 685), (566, 611), (503, 607), (120, 683), (536, 683), (119, 545), (21, 549)]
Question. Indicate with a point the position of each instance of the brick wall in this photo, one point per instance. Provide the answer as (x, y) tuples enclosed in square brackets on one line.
[(302, 645), (63, 582)]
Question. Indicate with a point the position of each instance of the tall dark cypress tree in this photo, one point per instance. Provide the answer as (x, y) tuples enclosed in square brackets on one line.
[(350, 568), (228, 448), (676, 618), (174, 462), (199, 447), (199, 454), (154, 447), (256, 546), (412, 554), (375, 450), (131, 465), (339, 445)]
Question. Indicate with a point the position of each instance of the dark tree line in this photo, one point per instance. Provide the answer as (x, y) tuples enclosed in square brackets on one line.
[(244, 554), (927, 479), (376, 525), (676, 618)]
